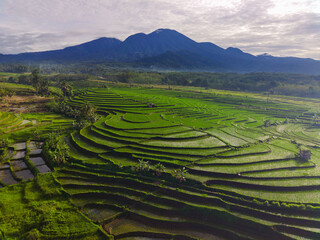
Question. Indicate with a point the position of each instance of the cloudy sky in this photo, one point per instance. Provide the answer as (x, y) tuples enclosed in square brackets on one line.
[(277, 27)]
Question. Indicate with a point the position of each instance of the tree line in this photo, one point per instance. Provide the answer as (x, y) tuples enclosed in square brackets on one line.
[(272, 83)]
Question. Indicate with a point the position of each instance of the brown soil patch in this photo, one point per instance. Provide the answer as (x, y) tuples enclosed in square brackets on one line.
[(24, 104)]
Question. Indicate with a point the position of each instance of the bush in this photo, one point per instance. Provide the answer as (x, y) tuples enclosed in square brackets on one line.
[(304, 155), (6, 92), (36, 134), (52, 106), (34, 234), (84, 116), (143, 166), (53, 140), (159, 168), (180, 174), (56, 150), (4, 143), (267, 123), (81, 123), (61, 154), (88, 112)]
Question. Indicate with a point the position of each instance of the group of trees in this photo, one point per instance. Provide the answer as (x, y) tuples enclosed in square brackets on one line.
[(79, 74), (5, 92), (41, 85), (14, 68), (84, 116), (273, 83), (55, 149), (66, 89), (145, 167)]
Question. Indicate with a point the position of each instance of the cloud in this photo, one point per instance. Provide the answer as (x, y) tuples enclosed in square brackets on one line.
[(278, 27)]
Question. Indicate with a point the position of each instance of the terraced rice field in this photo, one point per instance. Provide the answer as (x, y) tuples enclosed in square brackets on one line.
[(243, 180), (18, 127), (22, 161), (38, 209)]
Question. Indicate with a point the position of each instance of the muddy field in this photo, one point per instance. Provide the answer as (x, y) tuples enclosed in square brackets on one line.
[(24, 104)]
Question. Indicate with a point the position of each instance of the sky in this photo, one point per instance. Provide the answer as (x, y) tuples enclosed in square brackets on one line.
[(277, 27)]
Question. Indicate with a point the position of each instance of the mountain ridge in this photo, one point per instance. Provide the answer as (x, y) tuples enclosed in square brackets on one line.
[(168, 49)]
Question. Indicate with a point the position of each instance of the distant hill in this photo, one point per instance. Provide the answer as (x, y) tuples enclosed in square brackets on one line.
[(169, 49)]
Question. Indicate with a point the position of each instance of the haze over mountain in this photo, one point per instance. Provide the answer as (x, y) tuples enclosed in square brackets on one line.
[(169, 49)]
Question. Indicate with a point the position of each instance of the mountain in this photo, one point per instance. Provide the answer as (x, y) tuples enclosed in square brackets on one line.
[(169, 49), (93, 50)]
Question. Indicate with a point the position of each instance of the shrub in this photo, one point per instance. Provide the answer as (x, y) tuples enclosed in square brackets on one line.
[(34, 234), (61, 153), (88, 112), (6, 92), (53, 140), (56, 150), (143, 166), (52, 106), (180, 174), (304, 155), (4, 143), (275, 204), (267, 123), (36, 134), (80, 123), (266, 203), (159, 168)]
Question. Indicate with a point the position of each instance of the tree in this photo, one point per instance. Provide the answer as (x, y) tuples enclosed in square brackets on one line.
[(196, 82), (5, 92), (61, 154), (66, 89), (88, 112), (125, 77), (41, 85), (85, 116), (44, 87), (24, 79), (56, 148), (35, 79), (304, 155)]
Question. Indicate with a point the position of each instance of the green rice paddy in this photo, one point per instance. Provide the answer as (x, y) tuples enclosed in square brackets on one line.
[(243, 180)]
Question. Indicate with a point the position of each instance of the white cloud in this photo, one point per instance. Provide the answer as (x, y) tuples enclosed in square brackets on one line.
[(287, 27)]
